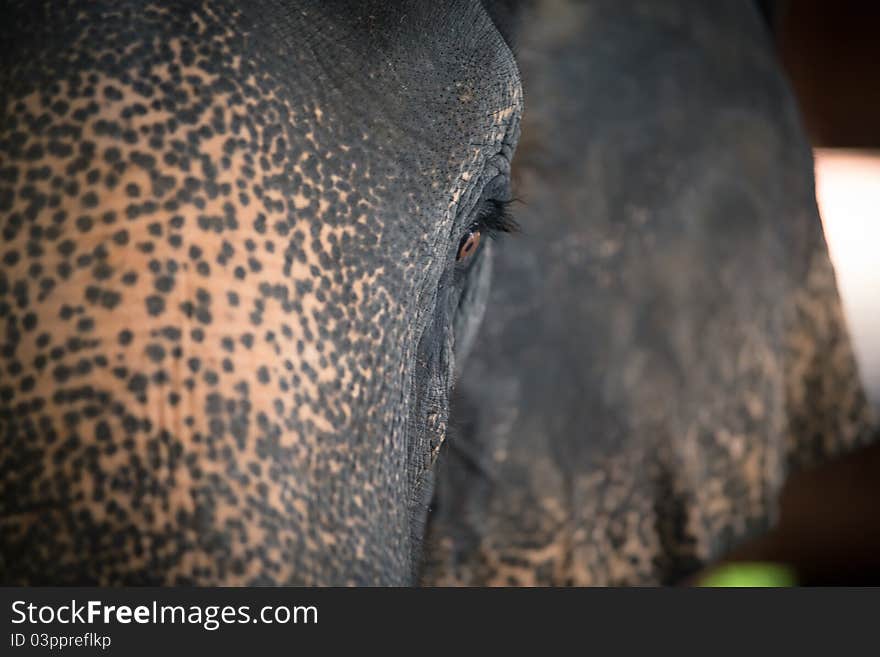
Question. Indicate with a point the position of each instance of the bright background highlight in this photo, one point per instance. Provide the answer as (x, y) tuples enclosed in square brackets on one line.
[(848, 193)]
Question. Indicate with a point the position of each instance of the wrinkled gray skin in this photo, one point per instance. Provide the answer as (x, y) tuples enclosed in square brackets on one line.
[(229, 296), (664, 342)]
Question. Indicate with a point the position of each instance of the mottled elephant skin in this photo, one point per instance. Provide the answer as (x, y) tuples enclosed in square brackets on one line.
[(664, 342), (229, 285)]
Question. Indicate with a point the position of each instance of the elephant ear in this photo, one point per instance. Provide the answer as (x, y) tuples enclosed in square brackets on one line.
[(665, 343), (828, 412)]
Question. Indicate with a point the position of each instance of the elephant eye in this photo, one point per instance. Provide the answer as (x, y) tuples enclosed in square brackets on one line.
[(468, 246), (492, 220)]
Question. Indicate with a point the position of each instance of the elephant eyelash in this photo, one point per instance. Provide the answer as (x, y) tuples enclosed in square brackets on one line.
[(495, 219)]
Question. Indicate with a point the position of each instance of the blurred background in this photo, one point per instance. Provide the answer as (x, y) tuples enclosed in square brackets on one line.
[(829, 528), (831, 53)]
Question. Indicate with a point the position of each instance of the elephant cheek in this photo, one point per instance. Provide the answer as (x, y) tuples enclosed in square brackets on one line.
[(471, 308), (429, 413)]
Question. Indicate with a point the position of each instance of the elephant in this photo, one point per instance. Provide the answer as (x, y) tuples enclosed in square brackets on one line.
[(244, 252), (665, 343)]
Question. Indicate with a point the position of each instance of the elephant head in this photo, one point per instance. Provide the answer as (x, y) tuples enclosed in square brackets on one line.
[(241, 255)]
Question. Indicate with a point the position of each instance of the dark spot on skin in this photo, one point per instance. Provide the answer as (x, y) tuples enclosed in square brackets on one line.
[(103, 432), (84, 223), (138, 384), (112, 93), (67, 247), (164, 284), (155, 352), (102, 271), (110, 299), (89, 200), (155, 305)]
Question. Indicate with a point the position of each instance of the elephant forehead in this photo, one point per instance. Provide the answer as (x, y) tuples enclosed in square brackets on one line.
[(420, 99), (202, 284)]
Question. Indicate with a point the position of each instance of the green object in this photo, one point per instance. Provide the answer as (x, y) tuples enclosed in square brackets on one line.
[(752, 574)]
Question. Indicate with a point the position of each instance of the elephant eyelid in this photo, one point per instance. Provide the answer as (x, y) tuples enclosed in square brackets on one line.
[(495, 219)]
